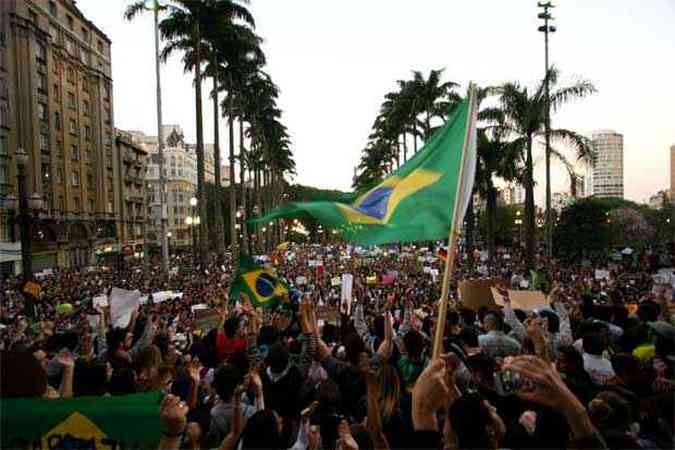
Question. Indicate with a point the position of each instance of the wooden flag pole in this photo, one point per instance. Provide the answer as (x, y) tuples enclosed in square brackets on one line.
[(452, 240)]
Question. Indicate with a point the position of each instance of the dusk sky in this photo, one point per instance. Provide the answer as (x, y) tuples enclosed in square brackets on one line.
[(334, 61)]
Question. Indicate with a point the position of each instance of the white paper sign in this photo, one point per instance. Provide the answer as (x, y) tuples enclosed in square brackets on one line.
[(524, 284), (301, 281), (426, 269), (335, 281), (198, 307), (122, 303), (100, 300), (483, 270), (346, 293), (601, 274)]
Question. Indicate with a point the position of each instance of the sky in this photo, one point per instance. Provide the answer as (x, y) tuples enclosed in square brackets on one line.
[(334, 61)]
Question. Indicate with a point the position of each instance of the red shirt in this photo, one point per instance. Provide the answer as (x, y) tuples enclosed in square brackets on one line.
[(226, 346)]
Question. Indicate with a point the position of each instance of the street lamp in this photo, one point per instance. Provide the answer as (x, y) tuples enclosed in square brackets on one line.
[(168, 237), (546, 29), (26, 207)]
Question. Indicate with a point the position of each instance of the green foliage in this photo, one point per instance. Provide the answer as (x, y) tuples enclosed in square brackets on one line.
[(506, 230), (583, 228)]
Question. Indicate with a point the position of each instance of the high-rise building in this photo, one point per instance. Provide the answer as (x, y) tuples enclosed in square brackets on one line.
[(56, 104), (672, 172), (513, 194), (605, 177)]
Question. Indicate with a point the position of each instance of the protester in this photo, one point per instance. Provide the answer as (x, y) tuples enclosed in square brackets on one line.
[(322, 372)]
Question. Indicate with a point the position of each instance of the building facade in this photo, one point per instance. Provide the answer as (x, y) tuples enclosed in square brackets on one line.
[(180, 172), (56, 103), (672, 172), (605, 177)]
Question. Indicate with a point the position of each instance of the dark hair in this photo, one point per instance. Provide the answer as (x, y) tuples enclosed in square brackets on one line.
[(574, 358), (594, 344), (378, 325), (648, 311), (497, 320), (414, 344), (277, 358), (468, 316), (453, 318), (329, 333), (268, 335), (552, 319), (122, 382), (21, 375), (626, 364), (353, 348), (261, 432), (115, 339), (89, 378), (231, 326), (520, 314), (469, 336), (470, 417), (225, 380), (328, 396)]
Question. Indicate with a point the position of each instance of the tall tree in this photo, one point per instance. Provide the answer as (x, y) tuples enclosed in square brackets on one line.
[(524, 112)]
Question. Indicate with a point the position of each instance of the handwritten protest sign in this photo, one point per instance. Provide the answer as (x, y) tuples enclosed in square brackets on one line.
[(346, 292), (335, 281), (128, 421), (475, 294), (100, 300), (206, 319), (601, 274), (122, 303)]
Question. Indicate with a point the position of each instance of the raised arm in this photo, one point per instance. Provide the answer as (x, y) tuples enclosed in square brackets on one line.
[(362, 328), (387, 346)]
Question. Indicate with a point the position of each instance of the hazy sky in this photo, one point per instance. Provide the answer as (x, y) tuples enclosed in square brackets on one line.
[(334, 61)]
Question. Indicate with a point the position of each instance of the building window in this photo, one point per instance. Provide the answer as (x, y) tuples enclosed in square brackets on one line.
[(42, 112), (90, 180), (62, 204), (4, 172), (87, 133), (85, 34), (99, 46), (45, 171), (76, 203), (59, 175), (57, 120), (70, 75), (73, 126), (4, 115), (106, 91), (76, 177), (85, 85), (87, 154), (71, 23), (40, 52), (33, 16), (71, 47), (92, 205), (106, 116), (59, 149), (84, 57), (71, 100), (85, 107), (56, 93), (74, 153), (3, 146), (44, 143), (53, 10), (42, 83)]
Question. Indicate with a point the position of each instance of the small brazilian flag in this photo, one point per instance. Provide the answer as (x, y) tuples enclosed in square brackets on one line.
[(262, 286)]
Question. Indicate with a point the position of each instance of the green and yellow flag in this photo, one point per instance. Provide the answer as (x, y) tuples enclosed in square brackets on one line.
[(418, 202), (128, 421), (261, 285)]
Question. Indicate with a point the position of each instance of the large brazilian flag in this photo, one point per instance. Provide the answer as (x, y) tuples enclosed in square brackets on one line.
[(260, 285), (418, 202)]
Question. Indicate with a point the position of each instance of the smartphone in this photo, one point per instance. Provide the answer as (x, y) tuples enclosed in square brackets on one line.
[(507, 382)]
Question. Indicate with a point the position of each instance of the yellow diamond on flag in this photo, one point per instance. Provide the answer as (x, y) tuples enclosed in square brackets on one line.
[(77, 431)]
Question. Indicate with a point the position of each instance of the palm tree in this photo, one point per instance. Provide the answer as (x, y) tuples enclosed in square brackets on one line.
[(188, 28), (130, 13), (524, 113)]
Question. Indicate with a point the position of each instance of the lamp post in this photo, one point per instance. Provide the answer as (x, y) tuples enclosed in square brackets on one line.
[(519, 224), (195, 223), (546, 29), (26, 207), (168, 240)]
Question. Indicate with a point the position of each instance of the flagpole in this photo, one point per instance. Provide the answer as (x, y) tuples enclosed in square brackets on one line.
[(452, 239)]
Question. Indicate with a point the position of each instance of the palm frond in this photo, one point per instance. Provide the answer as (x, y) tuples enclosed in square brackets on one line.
[(134, 9)]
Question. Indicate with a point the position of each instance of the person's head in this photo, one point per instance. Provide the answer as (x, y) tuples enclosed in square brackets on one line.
[(354, 348), (493, 322), (329, 333), (277, 358), (232, 327), (263, 431), (482, 368), (378, 326), (225, 381), (469, 337), (328, 396), (21, 375), (91, 378), (390, 391), (569, 360), (454, 321), (553, 322), (414, 344), (468, 316), (472, 422), (648, 311), (626, 367), (594, 344), (118, 339), (268, 335), (609, 410)]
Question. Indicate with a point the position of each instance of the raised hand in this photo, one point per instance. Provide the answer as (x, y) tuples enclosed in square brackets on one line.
[(173, 414)]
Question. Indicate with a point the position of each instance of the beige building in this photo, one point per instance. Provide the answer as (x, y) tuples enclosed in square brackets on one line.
[(605, 177), (180, 171), (672, 172), (56, 103)]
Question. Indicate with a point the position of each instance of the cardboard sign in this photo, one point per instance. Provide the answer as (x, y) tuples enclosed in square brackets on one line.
[(601, 274), (206, 319), (327, 314), (32, 288), (525, 300), (300, 281), (335, 281), (475, 294)]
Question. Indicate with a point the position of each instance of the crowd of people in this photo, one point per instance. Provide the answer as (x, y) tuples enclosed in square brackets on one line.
[(593, 369)]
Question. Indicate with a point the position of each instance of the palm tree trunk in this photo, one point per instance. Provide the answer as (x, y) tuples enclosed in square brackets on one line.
[(233, 194), (470, 220), (405, 147), (415, 140), (217, 209), (242, 182), (490, 214), (529, 209), (201, 194)]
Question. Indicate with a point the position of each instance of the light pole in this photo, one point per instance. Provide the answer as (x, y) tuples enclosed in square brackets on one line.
[(26, 208), (168, 239), (519, 224), (195, 223), (546, 29)]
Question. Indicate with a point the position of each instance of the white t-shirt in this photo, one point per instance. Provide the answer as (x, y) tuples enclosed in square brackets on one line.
[(598, 367)]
